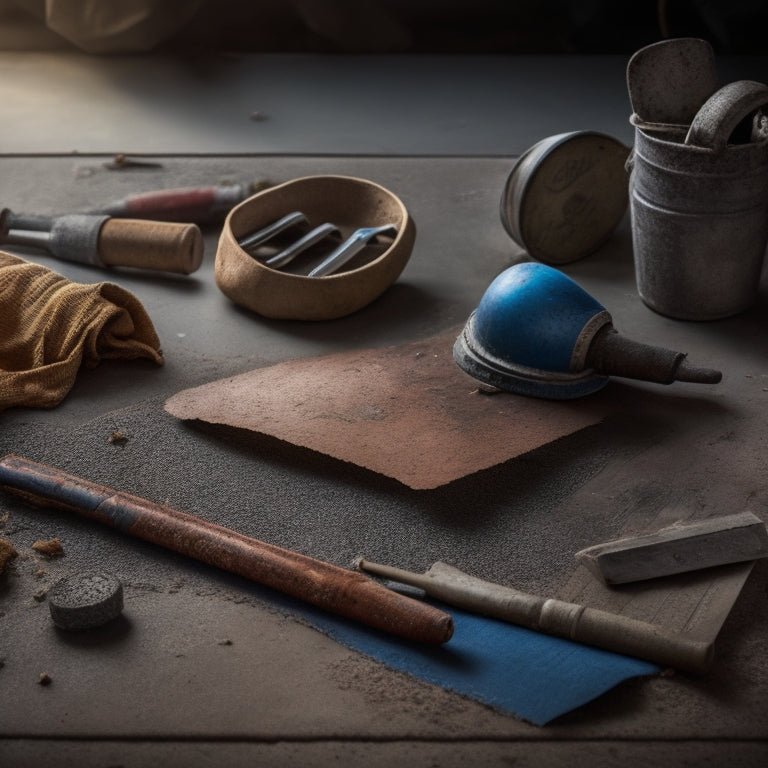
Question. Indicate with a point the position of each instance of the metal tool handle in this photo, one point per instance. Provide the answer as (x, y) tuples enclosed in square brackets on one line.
[(262, 235), (349, 248), (327, 586), (72, 237), (102, 241), (287, 255), (24, 221), (723, 111)]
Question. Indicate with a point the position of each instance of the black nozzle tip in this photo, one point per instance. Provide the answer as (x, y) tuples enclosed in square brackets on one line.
[(687, 372)]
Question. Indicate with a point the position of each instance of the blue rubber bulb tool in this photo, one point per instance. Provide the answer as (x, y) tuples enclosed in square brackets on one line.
[(536, 332)]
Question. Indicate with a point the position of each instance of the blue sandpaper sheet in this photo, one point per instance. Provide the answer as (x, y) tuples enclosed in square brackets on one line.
[(534, 676)]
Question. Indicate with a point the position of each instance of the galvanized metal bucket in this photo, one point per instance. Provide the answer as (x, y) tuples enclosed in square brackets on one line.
[(699, 209)]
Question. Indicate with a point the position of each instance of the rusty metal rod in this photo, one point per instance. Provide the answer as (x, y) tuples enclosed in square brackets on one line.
[(339, 590)]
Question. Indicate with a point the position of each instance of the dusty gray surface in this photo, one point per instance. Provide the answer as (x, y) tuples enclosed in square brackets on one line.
[(211, 665), (299, 103), (523, 753)]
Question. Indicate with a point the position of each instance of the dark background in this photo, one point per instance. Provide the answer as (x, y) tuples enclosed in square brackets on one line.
[(396, 26)]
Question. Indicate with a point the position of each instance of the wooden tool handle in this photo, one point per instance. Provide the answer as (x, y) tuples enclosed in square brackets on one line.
[(345, 592), (159, 245), (612, 632)]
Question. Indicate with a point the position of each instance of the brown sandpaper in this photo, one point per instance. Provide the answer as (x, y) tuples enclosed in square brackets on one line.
[(408, 412)]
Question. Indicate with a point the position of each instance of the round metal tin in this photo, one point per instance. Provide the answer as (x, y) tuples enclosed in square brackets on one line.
[(566, 195)]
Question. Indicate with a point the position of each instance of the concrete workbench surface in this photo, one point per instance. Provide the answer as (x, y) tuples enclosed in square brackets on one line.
[(313, 104), (204, 668)]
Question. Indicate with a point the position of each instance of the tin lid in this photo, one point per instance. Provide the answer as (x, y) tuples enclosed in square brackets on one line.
[(566, 195)]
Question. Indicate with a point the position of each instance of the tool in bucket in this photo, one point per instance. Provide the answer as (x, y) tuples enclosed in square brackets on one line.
[(331, 263), (668, 81), (699, 197)]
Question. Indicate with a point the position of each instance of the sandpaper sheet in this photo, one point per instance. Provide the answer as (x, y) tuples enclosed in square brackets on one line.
[(534, 676), (408, 412)]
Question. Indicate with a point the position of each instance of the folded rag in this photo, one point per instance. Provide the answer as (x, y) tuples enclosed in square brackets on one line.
[(50, 327)]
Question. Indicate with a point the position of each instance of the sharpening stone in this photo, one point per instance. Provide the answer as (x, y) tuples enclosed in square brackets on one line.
[(678, 548)]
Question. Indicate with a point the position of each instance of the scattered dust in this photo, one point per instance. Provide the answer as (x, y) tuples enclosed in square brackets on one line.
[(7, 553), (385, 687), (49, 547), (118, 438), (140, 586)]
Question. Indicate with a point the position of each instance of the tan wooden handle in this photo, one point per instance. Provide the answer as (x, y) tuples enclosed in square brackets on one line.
[(159, 245)]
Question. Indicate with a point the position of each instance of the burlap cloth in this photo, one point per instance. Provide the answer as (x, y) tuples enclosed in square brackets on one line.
[(50, 327)]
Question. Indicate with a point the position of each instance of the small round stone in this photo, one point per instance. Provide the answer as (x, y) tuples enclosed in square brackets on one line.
[(85, 601)]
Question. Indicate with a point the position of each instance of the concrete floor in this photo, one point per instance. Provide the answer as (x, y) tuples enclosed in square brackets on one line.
[(204, 668)]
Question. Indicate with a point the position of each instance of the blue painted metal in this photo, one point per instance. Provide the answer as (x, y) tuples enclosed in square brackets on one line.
[(533, 315), (530, 333)]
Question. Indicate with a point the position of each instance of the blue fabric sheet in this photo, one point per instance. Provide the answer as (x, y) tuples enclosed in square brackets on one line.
[(533, 676)]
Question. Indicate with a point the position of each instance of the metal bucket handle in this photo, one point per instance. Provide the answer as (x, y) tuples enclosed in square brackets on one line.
[(723, 111)]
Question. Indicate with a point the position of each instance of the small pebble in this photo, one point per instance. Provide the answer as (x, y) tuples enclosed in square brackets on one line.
[(7, 553), (85, 601), (118, 438), (50, 547)]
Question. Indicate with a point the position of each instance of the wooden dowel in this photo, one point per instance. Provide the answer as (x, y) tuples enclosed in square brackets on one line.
[(160, 245)]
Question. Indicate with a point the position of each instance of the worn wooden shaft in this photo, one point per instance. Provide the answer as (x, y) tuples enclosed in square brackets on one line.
[(339, 590), (609, 631), (160, 245)]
